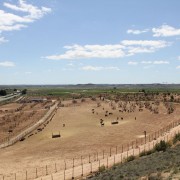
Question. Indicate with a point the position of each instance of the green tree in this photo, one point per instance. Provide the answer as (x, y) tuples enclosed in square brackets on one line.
[(3, 92), (24, 91)]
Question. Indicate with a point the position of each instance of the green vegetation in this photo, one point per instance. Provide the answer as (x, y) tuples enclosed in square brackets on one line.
[(102, 168), (176, 138), (24, 91), (130, 158), (162, 146), (152, 166), (3, 92)]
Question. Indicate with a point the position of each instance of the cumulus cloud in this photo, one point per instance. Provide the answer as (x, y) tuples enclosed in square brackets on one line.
[(99, 68), (124, 48), (136, 32), (178, 67), (90, 51), (165, 31), (133, 63), (11, 21), (7, 64)]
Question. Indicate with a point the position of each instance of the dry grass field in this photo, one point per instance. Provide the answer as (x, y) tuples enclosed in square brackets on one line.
[(81, 132)]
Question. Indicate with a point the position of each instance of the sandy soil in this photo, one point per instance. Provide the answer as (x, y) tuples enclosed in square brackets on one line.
[(82, 134)]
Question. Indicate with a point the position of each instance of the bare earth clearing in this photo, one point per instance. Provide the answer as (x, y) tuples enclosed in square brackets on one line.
[(83, 134)]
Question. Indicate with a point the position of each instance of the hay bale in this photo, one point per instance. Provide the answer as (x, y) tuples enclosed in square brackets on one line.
[(56, 135)]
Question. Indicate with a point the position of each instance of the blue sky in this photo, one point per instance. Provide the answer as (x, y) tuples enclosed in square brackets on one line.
[(89, 41)]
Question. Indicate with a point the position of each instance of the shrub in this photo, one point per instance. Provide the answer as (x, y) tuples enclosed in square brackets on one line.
[(130, 158), (162, 146), (143, 153), (3, 93), (102, 168), (176, 138)]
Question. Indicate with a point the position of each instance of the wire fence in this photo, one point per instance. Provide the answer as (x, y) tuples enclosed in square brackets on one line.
[(13, 138), (84, 165)]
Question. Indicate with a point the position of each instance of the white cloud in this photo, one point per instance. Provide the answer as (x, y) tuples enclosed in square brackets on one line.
[(155, 62), (146, 62), (3, 40), (99, 68), (7, 64), (11, 21), (132, 63), (136, 32), (161, 62), (146, 43), (165, 31), (125, 48), (178, 67), (179, 58)]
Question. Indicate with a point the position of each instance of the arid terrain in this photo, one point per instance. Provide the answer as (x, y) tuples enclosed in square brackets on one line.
[(86, 126)]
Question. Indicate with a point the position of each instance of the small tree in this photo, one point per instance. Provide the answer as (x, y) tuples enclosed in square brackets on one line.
[(162, 146), (24, 91), (3, 93)]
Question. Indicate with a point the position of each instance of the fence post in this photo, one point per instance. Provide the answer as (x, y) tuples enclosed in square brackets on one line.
[(121, 158), (26, 175), (55, 168), (114, 159), (107, 161), (110, 152), (73, 170), (91, 167), (82, 169), (36, 173), (46, 170)]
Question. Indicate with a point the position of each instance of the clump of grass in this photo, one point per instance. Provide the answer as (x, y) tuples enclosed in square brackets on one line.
[(176, 138), (130, 158), (145, 153), (102, 168), (162, 146)]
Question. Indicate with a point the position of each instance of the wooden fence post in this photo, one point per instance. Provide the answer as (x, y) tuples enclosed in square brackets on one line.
[(26, 175), (46, 170), (91, 167), (107, 161), (36, 173), (73, 170)]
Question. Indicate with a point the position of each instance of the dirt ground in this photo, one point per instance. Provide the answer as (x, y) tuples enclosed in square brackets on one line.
[(82, 134)]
